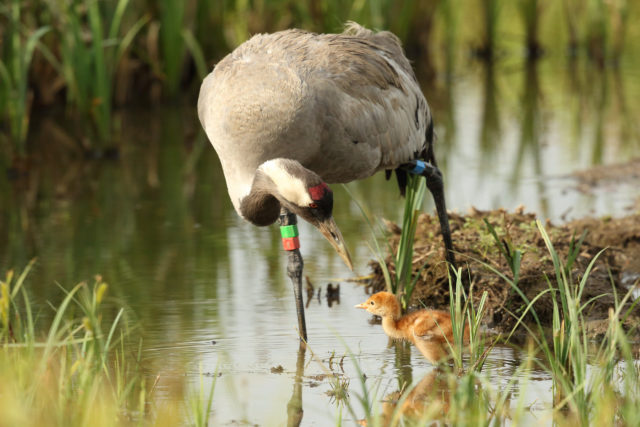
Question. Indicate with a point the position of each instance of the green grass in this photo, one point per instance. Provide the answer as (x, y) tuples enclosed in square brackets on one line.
[(464, 313), (404, 281), (76, 371), (172, 43), (69, 366), (15, 62), (567, 353), (89, 66), (200, 404)]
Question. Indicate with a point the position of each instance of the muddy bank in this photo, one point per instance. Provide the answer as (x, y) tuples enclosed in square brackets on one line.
[(616, 269)]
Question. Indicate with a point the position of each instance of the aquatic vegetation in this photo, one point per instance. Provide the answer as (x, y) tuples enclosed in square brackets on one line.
[(78, 372), (200, 403), (74, 367), (404, 280), (451, 21), (465, 314), (15, 61), (567, 355), (89, 65), (513, 256), (172, 43)]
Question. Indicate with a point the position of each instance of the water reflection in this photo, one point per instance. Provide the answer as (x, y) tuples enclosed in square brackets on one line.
[(531, 134), (428, 399), (490, 131), (402, 362), (294, 407)]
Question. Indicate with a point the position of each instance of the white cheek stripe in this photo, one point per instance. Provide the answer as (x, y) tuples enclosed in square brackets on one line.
[(291, 188)]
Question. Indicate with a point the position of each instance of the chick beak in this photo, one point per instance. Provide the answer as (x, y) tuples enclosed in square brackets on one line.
[(362, 305), (331, 232)]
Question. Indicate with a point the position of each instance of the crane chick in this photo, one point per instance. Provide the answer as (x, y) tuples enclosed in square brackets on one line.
[(430, 331)]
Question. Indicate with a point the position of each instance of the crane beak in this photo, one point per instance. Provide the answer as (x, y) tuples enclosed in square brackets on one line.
[(362, 305), (332, 233)]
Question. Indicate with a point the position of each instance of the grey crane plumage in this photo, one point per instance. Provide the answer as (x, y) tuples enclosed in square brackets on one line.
[(291, 110)]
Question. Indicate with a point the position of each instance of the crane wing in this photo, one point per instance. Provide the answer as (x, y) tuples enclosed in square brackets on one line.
[(374, 113)]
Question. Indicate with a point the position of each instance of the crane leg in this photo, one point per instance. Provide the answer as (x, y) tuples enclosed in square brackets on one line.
[(435, 185), (289, 231)]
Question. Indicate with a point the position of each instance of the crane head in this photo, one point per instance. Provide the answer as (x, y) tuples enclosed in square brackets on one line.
[(304, 193), (319, 214)]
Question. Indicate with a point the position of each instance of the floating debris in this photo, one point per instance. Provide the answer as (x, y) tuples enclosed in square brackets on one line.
[(277, 369)]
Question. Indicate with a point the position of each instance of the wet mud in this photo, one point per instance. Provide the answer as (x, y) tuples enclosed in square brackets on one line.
[(616, 269)]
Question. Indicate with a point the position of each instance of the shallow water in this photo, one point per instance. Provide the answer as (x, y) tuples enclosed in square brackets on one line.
[(211, 291)]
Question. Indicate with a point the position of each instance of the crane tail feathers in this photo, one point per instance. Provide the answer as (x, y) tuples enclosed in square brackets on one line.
[(387, 174), (401, 177)]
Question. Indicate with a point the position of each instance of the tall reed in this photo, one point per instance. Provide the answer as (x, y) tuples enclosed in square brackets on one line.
[(606, 30), (172, 43), (619, 28), (405, 280), (200, 403), (465, 314), (90, 37), (15, 61), (89, 65)]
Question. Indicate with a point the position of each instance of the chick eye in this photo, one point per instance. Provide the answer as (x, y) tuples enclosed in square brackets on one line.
[(373, 303), (313, 205)]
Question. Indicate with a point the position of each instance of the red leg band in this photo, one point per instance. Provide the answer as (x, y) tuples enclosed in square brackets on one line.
[(290, 243)]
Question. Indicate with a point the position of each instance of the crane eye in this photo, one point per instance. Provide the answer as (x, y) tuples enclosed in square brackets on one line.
[(313, 205), (373, 303)]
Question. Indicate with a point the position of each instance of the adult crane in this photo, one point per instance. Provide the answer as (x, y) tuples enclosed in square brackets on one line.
[(291, 111)]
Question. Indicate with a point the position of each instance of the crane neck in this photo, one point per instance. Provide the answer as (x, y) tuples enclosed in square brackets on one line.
[(260, 206)]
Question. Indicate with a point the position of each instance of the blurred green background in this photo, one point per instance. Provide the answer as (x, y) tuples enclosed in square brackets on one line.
[(91, 57)]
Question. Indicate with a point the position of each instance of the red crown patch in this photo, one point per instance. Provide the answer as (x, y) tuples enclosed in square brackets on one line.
[(317, 192)]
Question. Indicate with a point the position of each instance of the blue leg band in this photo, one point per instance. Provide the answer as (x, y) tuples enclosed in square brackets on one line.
[(419, 168)]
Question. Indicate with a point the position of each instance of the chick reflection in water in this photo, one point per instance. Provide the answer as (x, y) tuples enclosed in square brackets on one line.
[(427, 400), (429, 330)]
